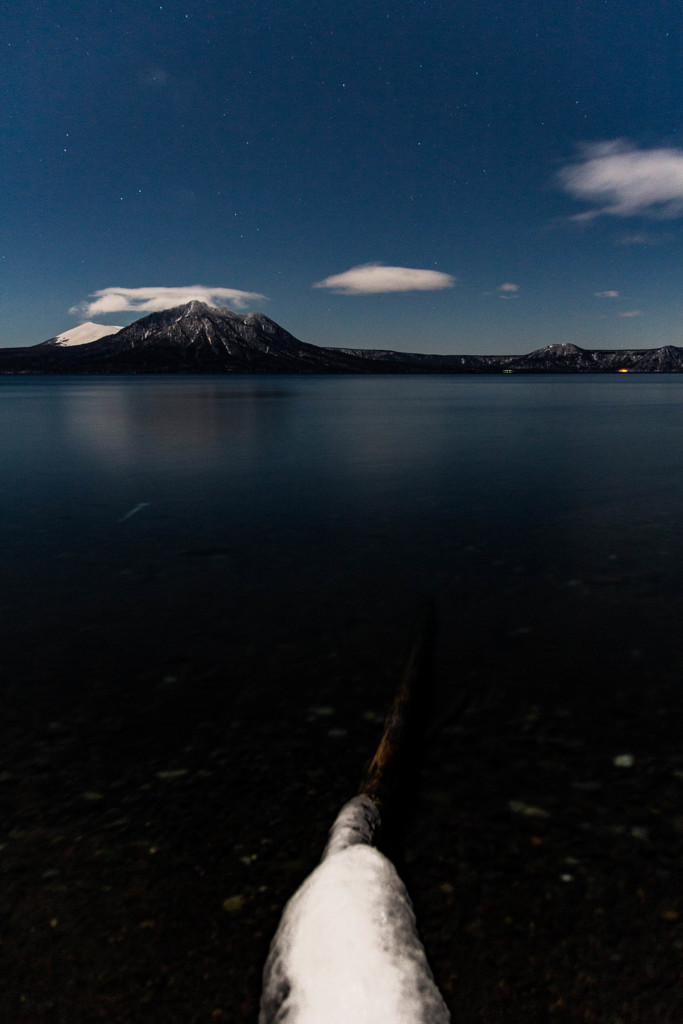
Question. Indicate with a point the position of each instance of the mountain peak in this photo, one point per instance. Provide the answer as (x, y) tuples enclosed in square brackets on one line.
[(83, 334), (196, 306), (564, 348)]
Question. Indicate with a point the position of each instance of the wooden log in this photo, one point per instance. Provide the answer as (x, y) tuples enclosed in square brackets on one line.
[(401, 725), (347, 949)]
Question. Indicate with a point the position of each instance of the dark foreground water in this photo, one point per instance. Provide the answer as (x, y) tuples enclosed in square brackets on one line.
[(207, 589), (163, 515)]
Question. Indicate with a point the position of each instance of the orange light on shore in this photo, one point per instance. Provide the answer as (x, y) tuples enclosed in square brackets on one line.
[(623, 371)]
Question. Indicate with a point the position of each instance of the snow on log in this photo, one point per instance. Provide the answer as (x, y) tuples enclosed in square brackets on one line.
[(347, 949)]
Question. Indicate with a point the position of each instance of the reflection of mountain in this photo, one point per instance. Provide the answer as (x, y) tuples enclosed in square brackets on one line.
[(190, 427), (197, 338)]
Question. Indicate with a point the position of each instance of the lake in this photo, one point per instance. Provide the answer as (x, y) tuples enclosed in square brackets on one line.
[(209, 587), (177, 509)]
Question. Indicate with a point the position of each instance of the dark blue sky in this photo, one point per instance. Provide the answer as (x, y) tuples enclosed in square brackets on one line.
[(526, 157)]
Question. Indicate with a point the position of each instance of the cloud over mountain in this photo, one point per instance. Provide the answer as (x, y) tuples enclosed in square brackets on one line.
[(153, 300), (624, 181), (373, 278)]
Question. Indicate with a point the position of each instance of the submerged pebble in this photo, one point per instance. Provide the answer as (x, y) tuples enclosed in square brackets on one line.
[(526, 810), (234, 904)]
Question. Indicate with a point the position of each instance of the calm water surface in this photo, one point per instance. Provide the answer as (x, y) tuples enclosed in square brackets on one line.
[(160, 518)]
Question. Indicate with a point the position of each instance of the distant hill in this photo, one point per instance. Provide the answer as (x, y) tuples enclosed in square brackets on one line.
[(197, 338)]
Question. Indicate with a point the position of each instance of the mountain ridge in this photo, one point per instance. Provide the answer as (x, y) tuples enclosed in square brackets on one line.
[(198, 338)]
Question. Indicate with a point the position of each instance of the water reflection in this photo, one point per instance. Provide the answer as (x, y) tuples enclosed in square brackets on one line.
[(184, 427), (283, 484)]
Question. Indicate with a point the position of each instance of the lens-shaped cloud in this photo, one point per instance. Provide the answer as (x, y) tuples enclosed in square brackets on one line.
[(373, 278), (624, 181), (152, 300)]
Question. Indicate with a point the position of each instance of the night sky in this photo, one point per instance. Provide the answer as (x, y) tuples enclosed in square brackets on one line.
[(446, 175)]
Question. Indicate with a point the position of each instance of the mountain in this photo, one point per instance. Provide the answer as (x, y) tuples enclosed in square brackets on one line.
[(572, 359), (196, 338), (82, 335)]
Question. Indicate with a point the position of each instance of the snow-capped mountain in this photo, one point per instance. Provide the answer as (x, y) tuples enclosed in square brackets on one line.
[(197, 338), (83, 334)]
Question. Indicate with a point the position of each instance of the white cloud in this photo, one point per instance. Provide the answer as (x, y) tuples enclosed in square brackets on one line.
[(372, 278), (508, 290), (607, 295), (151, 300), (647, 238), (627, 314), (624, 181)]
